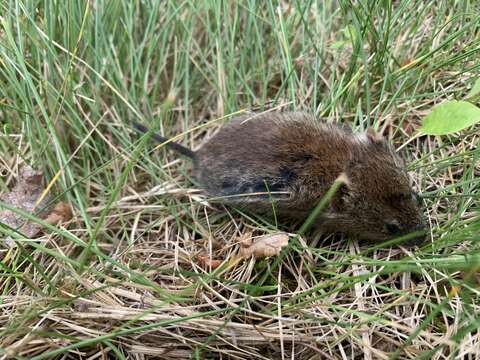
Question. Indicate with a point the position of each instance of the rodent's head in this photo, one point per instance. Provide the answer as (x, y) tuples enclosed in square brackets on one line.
[(377, 201)]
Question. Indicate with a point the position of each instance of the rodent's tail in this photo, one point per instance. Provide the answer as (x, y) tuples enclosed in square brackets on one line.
[(172, 145)]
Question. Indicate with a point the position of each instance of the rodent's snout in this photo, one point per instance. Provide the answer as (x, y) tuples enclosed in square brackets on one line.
[(415, 235), (418, 239)]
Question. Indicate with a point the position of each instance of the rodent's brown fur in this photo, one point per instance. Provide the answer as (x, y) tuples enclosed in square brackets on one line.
[(293, 159)]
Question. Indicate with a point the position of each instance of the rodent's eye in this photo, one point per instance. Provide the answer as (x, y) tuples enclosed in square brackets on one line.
[(393, 229), (399, 197)]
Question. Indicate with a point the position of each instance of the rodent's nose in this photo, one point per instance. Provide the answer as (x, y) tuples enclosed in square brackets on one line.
[(419, 239)]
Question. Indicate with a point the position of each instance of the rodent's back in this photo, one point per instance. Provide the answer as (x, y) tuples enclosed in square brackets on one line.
[(291, 153)]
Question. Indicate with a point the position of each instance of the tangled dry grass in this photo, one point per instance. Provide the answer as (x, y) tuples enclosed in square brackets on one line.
[(321, 300)]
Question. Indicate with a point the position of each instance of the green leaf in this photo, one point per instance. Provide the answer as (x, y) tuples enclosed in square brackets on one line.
[(449, 117), (475, 90), (338, 45)]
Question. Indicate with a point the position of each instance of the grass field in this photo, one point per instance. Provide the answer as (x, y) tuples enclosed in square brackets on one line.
[(122, 279)]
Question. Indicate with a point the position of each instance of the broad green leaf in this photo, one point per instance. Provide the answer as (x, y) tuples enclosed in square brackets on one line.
[(338, 44), (475, 90), (449, 117)]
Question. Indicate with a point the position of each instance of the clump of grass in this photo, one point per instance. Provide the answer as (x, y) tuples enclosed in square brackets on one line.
[(122, 280)]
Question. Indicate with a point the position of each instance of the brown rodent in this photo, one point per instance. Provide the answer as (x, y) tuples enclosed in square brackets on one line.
[(293, 159)]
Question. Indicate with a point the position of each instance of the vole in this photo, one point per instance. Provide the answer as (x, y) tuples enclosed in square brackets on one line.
[(292, 159)]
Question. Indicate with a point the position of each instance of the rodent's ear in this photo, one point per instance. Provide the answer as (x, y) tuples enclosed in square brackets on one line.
[(346, 127), (373, 136), (377, 139)]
